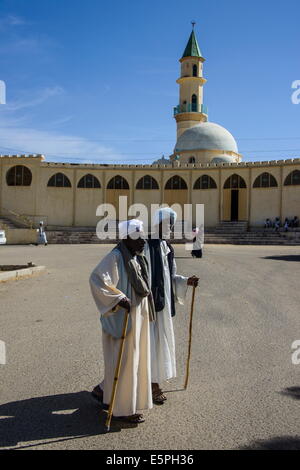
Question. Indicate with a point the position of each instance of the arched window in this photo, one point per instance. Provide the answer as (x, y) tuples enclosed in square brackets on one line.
[(118, 182), (59, 180), (293, 179), (235, 182), (192, 160), (147, 182), (265, 180), (19, 175), (205, 182), (89, 181), (194, 103), (195, 71), (176, 182)]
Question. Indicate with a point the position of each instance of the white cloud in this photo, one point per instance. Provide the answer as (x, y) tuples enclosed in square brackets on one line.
[(39, 98), (14, 20), (11, 20), (22, 45), (54, 145), (17, 137)]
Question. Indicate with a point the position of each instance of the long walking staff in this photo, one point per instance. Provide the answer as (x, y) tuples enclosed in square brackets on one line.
[(190, 340), (117, 373)]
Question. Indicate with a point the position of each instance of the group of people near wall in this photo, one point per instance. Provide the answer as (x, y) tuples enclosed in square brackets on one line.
[(139, 275), (288, 223)]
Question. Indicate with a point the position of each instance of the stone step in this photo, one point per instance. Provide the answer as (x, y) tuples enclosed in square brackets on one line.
[(6, 223), (231, 227), (210, 237)]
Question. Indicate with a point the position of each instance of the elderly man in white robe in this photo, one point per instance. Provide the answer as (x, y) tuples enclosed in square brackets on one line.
[(121, 282), (167, 288)]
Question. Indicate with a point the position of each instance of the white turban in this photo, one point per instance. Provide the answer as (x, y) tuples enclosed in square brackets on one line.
[(129, 227), (164, 213)]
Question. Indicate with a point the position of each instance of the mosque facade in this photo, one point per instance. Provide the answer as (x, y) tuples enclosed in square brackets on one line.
[(204, 168)]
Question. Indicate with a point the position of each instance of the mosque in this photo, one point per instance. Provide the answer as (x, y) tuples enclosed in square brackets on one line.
[(204, 168)]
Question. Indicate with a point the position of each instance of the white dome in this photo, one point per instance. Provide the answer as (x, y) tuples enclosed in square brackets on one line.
[(206, 136), (223, 159)]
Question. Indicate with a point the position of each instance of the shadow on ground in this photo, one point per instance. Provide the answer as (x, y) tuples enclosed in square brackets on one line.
[(61, 417), (284, 258), (276, 443), (279, 442), (293, 392)]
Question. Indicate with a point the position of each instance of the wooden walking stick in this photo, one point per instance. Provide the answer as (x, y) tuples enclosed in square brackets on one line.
[(190, 340), (117, 373)]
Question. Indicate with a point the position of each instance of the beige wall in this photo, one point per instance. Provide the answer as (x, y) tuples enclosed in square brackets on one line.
[(290, 195), (77, 206), (210, 199), (18, 199), (187, 67), (56, 202), (20, 236), (188, 89), (191, 85), (265, 204), (291, 201), (86, 200)]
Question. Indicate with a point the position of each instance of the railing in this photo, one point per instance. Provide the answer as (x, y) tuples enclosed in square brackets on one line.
[(190, 108), (19, 219)]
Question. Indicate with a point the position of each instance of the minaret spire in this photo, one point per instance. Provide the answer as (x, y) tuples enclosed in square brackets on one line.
[(192, 48), (191, 110)]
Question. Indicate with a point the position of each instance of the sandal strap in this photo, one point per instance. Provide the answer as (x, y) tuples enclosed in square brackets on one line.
[(158, 394), (136, 418)]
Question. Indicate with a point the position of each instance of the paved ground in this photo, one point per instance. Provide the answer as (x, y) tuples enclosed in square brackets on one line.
[(244, 390)]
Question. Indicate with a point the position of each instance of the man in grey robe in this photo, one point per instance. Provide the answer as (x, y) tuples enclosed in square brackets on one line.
[(121, 282)]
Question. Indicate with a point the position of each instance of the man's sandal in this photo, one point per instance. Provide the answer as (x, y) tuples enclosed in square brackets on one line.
[(158, 396), (133, 419)]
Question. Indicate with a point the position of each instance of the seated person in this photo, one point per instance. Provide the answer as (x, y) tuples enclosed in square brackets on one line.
[(286, 224), (268, 223), (295, 222), (277, 224)]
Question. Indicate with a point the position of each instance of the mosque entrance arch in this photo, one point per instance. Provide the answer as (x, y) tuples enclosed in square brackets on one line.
[(117, 187), (235, 199), (234, 213), (176, 191)]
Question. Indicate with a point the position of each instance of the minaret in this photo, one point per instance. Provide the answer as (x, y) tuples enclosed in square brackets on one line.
[(190, 110)]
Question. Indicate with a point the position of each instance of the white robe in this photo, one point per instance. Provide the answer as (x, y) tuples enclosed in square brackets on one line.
[(163, 355), (134, 385), (199, 242)]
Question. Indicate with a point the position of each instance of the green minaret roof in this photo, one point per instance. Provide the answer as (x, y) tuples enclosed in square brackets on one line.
[(192, 48)]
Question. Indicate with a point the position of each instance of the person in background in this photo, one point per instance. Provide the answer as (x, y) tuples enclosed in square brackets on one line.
[(197, 242), (295, 222), (268, 223), (277, 224), (286, 225), (42, 238)]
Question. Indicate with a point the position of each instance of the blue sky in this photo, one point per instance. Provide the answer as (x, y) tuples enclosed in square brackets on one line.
[(95, 81)]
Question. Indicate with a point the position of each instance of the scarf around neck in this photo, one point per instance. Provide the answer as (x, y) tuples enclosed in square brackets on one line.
[(157, 274), (137, 269)]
